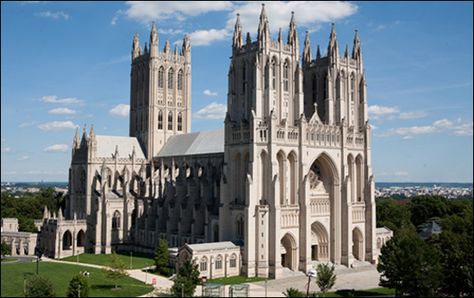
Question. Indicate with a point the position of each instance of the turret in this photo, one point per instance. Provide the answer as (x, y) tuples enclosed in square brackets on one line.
[(306, 51), (333, 48), (356, 51), (237, 39), (263, 29), (346, 52), (167, 47), (318, 53), (84, 139), (153, 41), (136, 50), (293, 36), (76, 143), (186, 49)]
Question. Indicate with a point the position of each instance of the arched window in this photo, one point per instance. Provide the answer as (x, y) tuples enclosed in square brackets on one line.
[(170, 121), (116, 220), (285, 77), (161, 77), (160, 119), (219, 262), (273, 74), (240, 227), (180, 79), (180, 122), (203, 264), (233, 261), (244, 78), (352, 86), (170, 78)]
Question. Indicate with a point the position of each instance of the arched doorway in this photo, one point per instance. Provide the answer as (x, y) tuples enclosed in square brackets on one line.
[(319, 242), (67, 240), (116, 226), (80, 238), (357, 244), (288, 252)]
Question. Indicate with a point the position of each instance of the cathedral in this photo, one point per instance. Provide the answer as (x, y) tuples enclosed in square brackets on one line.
[(288, 180)]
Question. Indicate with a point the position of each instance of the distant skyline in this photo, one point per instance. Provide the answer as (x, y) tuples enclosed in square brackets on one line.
[(66, 64)]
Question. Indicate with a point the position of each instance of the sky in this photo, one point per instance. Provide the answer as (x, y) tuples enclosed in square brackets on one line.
[(67, 64)]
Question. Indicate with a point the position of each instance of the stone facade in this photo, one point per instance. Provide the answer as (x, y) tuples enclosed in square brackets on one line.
[(289, 180), (21, 243)]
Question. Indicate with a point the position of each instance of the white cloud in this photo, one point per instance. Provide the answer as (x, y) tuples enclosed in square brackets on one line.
[(62, 111), (307, 14), (57, 148), (412, 115), (6, 149), (55, 99), (376, 110), (120, 110), (438, 126), (26, 124), (208, 92), (170, 31), (146, 11), (57, 125), (213, 111), (206, 37), (24, 157), (53, 15)]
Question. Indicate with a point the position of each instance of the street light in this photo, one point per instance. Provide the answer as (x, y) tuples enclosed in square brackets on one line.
[(311, 273), (131, 253)]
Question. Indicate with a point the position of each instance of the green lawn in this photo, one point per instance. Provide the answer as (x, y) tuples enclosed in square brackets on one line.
[(235, 280), (61, 274), (138, 262), (360, 293)]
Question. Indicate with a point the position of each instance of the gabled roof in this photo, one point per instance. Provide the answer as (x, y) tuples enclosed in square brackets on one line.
[(204, 142), (210, 246), (106, 146)]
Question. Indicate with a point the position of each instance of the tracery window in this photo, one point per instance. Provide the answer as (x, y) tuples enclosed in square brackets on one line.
[(170, 78), (161, 77), (285, 77), (180, 122), (170, 121), (180, 79), (160, 119)]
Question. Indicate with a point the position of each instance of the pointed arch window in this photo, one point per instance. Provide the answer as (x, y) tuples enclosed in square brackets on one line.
[(170, 121), (116, 220), (352, 86), (180, 122), (160, 119), (285, 77), (161, 72), (244, 78), (180, 79), (170, 78), (273, 70)]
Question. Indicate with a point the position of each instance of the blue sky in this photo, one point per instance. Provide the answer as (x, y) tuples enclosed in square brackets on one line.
[(68, 64)]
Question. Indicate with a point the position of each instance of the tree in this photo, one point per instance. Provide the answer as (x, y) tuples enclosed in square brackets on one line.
[(162, 258), (326, 277), (78, 287), (39, 286), (409, 265), (116, 269), (6, 249), (186, 279), (292, 292)]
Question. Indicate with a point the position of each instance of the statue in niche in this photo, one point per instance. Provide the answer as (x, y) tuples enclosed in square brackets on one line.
[(315, 183)]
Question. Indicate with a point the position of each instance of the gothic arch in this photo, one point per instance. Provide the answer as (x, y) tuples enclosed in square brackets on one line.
[(161, 77), (180, 80), (67, 240), (80, 238), (281, 159), (359, 170), (351, 182), (293, 177), (289, 250), (319, 242), (358, 244), (264, 175), (171, 78)]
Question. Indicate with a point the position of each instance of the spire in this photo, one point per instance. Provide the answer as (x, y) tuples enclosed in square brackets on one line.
[(356, 53), (292, 34), (306, 50), (318, 53), (145, 50), (45, 212), (60, 213), (249, 40), (333, 49), (237, 39), (153, 41), (346, 52), (77, 140), (167, 47), (176, 52), (84, 134), (186, 48), (116, 154), (136, 50), (91, 132), (280, 36), (263, 30)]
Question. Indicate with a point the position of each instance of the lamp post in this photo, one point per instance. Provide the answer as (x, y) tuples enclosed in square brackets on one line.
[(77, 253), (311, 273), (131, 253)]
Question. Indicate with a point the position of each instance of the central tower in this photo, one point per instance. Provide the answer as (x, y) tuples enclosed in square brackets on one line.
[(160, 93)]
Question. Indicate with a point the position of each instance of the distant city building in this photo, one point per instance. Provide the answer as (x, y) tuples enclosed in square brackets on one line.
[(288, 181)]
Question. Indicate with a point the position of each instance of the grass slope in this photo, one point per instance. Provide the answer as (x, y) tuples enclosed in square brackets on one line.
[(138, 262), (61, 274)]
